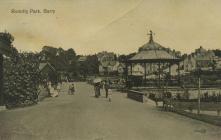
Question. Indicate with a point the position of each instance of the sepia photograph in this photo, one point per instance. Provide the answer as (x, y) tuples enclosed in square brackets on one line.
[(110, 70)]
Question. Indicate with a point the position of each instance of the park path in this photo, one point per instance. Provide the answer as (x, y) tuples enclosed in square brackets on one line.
[(83, 117)]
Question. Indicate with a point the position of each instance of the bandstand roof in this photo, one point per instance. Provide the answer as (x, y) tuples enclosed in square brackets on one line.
[(153, 52)]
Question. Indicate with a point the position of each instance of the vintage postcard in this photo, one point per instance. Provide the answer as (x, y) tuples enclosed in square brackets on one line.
[(110, 70)]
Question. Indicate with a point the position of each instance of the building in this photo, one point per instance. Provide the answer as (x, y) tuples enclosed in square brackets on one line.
[(107, 63), (218, 63), (150, 61), (137, 70), (106, 56), (82, 59), (46, 67), (48, 71), (120, 67), (201, 58)]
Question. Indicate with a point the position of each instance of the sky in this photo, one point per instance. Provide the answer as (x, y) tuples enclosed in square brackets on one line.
[(120, 26)]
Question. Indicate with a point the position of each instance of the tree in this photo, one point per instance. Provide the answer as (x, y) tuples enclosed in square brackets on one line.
[(63, 60), (217, 52), (122, 58), (6, 48), (92, 65), (83, 68), (89, 67), (70, 54), (6, 40), (49, 51)]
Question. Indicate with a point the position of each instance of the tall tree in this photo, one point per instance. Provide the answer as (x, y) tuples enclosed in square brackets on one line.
[(6, 48), (92, 65), (62, 60)]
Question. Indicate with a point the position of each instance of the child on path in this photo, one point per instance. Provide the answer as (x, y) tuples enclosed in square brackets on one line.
[(71, 89), (109, 97)]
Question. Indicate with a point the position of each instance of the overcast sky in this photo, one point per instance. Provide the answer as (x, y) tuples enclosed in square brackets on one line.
[(121, 26)]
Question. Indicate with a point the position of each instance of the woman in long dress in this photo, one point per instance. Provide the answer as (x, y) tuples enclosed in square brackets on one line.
[(55, 93), (59, 87), (97, 89), (50, 90)]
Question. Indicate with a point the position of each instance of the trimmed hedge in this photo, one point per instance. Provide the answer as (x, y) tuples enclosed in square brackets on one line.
[(21, 80)]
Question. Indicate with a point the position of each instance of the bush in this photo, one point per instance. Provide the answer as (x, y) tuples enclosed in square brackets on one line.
[(21, 79)]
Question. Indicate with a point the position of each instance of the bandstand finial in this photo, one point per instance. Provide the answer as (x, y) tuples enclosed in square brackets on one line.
[(151, 36)]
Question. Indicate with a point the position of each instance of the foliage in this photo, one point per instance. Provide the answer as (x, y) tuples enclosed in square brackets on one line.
[(122, 58), (89, 67), (21, 76), (6, 40), (62, 60), (217, 52), (66, 61)]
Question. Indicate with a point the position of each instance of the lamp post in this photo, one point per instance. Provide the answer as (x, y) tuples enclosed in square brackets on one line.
[(199, 90)]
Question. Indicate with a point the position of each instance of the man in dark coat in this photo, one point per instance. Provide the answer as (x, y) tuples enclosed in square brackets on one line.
[(106, 87)]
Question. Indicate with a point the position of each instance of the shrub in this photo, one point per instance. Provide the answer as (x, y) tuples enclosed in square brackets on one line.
[(21, 79)]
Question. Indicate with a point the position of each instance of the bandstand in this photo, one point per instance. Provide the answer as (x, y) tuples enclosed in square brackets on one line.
[(149, 55)]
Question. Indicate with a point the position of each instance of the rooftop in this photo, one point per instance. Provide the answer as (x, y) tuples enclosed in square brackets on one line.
[(43, 65), (153, 51)]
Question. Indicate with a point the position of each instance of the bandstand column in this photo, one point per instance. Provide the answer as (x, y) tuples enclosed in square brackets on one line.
[(179, 73), (145, 73), (131, 69), (159, 74), (170, 73), (126, 72), (1, 81)]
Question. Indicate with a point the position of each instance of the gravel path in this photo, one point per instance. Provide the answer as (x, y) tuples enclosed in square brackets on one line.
[(83, 117)]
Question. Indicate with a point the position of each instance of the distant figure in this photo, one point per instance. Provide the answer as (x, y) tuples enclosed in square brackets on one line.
[(97, 87), (95, 91), (109, 96), (49, 88), (106, 87), (71, 89), (59, 87), (55, 91), (52, 90)]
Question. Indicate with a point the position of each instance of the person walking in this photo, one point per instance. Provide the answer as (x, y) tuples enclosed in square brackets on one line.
[(55, 91), (71, 89), (95, 90), (59, 87), (97, 87), (106, 87), (50, 89), (109, 96)]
